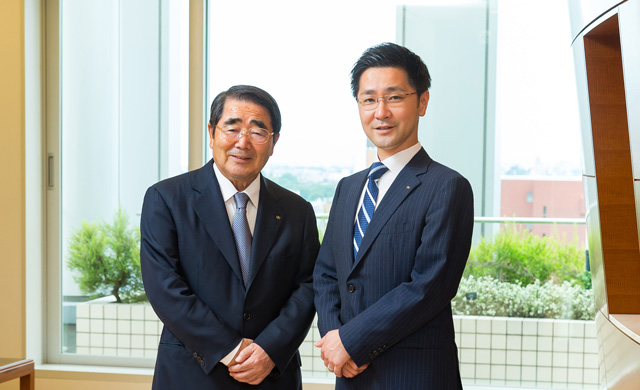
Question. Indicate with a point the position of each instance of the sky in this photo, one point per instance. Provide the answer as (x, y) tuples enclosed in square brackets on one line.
[(537, 108), (302, 52)]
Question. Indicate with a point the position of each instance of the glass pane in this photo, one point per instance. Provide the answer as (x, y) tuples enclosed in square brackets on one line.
[(305, 65), (538, 118), (503, 75), (123, 94)]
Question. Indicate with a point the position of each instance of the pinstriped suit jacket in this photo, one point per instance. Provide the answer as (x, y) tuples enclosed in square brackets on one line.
[(392, 302)]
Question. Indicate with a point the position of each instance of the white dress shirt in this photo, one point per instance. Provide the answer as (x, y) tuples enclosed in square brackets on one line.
[(228, 191), (395, 164)]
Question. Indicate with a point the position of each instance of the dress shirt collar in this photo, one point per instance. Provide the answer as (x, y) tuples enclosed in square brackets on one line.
[(229, 190), (399, 160)]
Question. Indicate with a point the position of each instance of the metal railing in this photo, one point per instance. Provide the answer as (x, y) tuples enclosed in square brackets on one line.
[(533, 220)]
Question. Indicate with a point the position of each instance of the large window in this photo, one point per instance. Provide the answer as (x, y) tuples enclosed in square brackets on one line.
[(122, 106), (537, 118), (302, 55), (502, 112)]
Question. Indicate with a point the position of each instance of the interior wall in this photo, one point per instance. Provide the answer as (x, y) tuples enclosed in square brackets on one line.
[(12, 225), (65, 380), (610, 132), (83, 381)]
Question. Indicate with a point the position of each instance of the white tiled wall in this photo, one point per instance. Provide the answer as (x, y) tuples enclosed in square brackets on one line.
[(312, 364), (527, 352), (492, 350), (117, 330)]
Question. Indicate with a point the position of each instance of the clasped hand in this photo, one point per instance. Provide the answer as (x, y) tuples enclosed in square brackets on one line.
[(335, 356), (251, 364)]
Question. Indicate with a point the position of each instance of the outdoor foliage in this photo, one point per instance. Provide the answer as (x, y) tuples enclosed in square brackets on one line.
[(518, 256), (518, 274), (490, 297), (106, 259), (308, 190)]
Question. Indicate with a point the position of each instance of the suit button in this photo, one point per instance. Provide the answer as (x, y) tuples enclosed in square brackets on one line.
[(201, 362), (246, 316), (195, 355), (371, 356), (351, 288)]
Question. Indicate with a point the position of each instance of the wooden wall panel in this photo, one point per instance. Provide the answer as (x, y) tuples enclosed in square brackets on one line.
[(614, 176)]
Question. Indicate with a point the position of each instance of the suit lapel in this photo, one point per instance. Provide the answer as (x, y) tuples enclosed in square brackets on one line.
[(406, 182), (210, 209), (268, 221)]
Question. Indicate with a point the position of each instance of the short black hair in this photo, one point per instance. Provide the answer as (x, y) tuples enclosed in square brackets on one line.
[(246, 93), (394, 56)]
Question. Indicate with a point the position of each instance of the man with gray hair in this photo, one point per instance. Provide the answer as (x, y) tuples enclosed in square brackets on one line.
[(227, 258)]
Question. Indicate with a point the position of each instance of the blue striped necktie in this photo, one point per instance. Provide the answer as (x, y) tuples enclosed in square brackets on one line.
[(368, 204), (242, 234)]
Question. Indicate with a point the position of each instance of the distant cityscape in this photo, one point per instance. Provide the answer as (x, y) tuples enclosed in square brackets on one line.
[(316, 184), (541, 191), (565, 169)]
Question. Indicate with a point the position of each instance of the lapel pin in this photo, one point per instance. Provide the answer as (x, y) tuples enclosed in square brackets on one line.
[(278, 217), (408, 187)]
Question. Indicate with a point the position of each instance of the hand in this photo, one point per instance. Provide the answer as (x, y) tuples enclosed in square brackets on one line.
[(253, 365), (244, 344), (351, 369), (332, 352)]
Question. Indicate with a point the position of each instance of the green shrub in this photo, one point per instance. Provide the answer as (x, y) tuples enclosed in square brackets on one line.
[(486, 296), (518, 256), (106, 259), (585, 279)]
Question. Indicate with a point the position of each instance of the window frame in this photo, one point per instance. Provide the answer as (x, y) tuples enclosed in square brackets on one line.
[(52, 276)]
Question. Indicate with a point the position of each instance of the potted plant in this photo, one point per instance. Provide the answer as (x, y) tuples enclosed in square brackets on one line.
[(106, 259)]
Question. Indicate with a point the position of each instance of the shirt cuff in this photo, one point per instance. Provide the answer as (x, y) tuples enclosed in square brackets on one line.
[(227, 359)]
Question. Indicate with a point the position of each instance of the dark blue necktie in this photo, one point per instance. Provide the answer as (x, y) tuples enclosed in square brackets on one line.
[(368, 204), (242, 234)]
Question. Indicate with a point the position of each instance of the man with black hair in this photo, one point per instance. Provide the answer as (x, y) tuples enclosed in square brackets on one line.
[(396, 244), (227, 258)]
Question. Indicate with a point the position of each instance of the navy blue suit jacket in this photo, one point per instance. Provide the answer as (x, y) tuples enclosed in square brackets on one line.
[(392, 303), (193, 280)]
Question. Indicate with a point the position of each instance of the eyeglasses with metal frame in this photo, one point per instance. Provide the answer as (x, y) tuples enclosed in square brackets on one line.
[(395, 99), (233, 133)]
